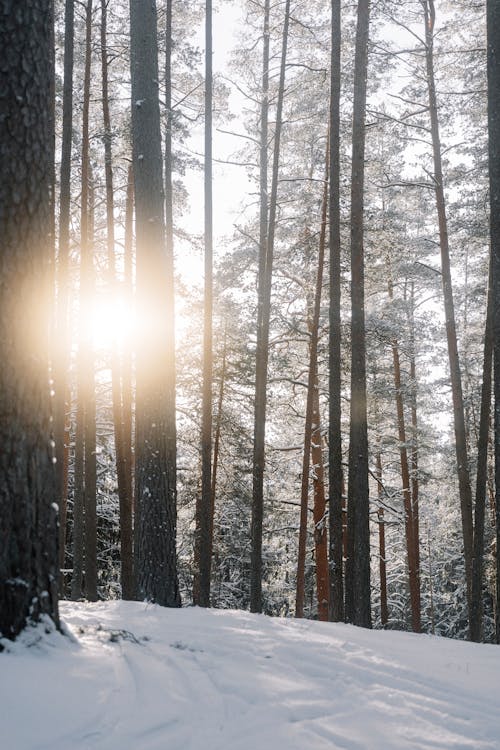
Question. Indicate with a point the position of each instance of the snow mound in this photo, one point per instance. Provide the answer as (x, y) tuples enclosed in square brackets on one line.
[(133, 676)]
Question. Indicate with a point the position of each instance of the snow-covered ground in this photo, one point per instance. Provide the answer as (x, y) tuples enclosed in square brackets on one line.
[(139, 677)]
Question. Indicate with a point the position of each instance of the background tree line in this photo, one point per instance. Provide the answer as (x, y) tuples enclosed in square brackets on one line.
[(311, 432)]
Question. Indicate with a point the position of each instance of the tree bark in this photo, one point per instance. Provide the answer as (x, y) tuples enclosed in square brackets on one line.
[(335, 470), (357, 602), (384, 610), (263, 320), (476, 613), (122, 466), (451, 333), (61, 353), (311, 386), (155, 520), (201, 590), (28, 515), (493, 57)]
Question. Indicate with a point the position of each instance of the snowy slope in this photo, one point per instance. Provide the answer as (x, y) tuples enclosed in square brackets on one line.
[(140, 677)]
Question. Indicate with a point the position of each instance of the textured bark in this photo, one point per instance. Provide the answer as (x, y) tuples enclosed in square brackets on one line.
[(319, 512), (86, 376), (357, 601), (28, 516), (384, 610), (61, 344), (122, 465), (261, 355), (412, 541), (155, 526), (476, 613), (451, 333), (217, 437), (263, 320), (308, 428), (203, 542), (493, 36), (335, 471)]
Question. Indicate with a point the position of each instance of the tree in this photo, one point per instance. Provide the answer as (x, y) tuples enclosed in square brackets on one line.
[(155, 520), (61, 346), (203, 553), (334, 364), (266, 254), (451, 334), (357, 601), (493, 57), (28, 516), (123, 469)]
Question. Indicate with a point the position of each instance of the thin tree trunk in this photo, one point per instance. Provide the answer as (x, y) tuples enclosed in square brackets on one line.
[(90, 482), (476, 613), (86, 389), (414, 435), (311, 384), (124, 485), (411, 541), (384, 611), (335, 471), (357, 602), (451, 333), (493, 56), (262, 353), (61, 406), (218, 430), (126, 369), (201, 588), (78, 496), (319, 512)]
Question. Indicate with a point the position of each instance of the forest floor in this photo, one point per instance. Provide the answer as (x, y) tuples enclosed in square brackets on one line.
[(130, 676)]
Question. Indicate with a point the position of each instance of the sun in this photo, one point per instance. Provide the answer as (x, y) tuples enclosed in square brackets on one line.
[(112, 323)]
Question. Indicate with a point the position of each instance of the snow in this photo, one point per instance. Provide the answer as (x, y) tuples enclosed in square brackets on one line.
[(133, 675)]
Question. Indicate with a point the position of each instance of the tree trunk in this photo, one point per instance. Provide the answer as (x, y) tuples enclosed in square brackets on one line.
[(335, 471), (384, 610), (155, 526), (124, 483), (357, 603), (201, 590), (451, 333), (411, 540), (61, 353), (28, 516), (493, 54), (319, 512), (476, 613), (311, 386), (263, 319)]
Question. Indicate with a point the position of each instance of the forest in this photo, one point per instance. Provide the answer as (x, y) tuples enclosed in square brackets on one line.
[(250, 310)]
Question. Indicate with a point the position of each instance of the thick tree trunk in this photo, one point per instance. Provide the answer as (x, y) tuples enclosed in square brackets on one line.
[(28, 515), (263, 320), (203, 542), (451, 332), (493, 34), (155, 526), (335, 471), (357, 603)]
